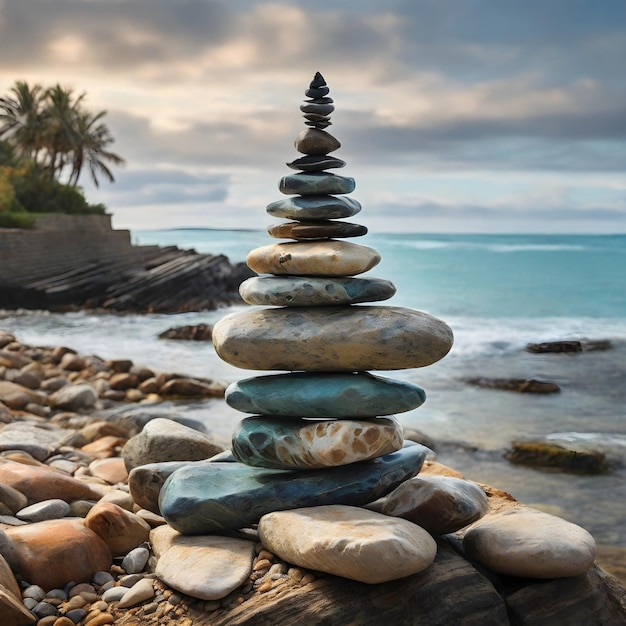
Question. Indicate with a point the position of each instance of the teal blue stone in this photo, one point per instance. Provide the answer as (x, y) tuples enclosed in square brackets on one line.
[(198, 500), (316, 183), (314, 290), (324, 395), (314, 208)]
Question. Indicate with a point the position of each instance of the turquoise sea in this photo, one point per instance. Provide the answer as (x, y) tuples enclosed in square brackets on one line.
[(498, 293)]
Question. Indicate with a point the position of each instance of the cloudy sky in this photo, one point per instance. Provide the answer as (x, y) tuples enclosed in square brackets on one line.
[(454, 115)]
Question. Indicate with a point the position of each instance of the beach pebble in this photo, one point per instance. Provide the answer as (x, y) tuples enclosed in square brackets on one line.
[(327, 339), (439, 504), (40, 483), (530, 543), (163, 439), (348, 541), (316, 142), (35, 592), (310, 258), (12, 498), (53, 552), (206, 567), (314, 291), (324, 395), (44, 510), (316, 183), (102, 578), (204, 498), (135, 561), (314, 207), (279, 443), (121, 530), (115, 594), (44, 609), (74, 397), (138, 593), (36, 440), (113, 469)]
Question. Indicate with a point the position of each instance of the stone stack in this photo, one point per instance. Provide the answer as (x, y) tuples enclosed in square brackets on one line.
[(324, 433)]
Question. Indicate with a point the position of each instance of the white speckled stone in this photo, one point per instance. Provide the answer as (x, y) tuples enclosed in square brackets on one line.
[(314, 290), (278, 443), (530, 543), (333, 339), (348, 541), (207, 567), (326, 258)]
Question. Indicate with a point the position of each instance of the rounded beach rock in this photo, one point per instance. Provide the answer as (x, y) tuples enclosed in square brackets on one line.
[(348, 541), (326, 258), (51, 553), (314, 207), (323, 395), (205, 567), (314, 290), (310, 444), (163, 439), (121, 530), (332, 339), (529, 543), (439, 504), (316, 229), (316, 142)]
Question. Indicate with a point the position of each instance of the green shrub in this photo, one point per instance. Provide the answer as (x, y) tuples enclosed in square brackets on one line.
[(17, 219)]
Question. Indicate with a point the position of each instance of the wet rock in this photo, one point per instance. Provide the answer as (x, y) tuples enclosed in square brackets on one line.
[(195, 332), (165, 440), (520, 385), (348, 541)]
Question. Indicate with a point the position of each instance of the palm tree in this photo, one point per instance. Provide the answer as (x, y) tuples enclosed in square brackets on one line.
[(51, 128), (91, 138), (21, 119)]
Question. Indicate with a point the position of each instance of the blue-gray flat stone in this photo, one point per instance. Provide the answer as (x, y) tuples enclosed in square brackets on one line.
[(225, 496), (316, 229), (325, 395), (316, 183), (314, 208), (299, 443), (314, 290), (331, 339)]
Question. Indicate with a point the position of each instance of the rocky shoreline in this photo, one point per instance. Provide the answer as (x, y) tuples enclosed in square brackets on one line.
[(78, 548)]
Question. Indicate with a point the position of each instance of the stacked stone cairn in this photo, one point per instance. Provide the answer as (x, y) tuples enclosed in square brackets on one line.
[(324, 435), (320, 465)]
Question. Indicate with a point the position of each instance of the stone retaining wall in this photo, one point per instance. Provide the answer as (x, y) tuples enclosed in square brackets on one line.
[(60, 243)]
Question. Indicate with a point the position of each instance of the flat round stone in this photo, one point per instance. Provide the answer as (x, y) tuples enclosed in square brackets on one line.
[(277, 443), (316, 163), (316, 229), (319, 108), (309, 258), (314, 290), (331, 339), (316, 142), (201, 499), (349, 542), (530, 543), (314, 208), (325, 395), (316, 184)]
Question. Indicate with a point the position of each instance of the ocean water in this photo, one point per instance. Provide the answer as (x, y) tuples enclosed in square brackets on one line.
[(498, 293)]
